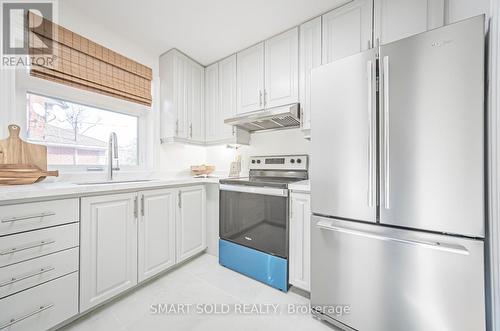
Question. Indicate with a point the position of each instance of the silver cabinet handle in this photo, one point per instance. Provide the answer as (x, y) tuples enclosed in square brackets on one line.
[(233, 130), (142, 205), (27, 217), (177, 127), (19, 319), (190, 130), (369, 68), (260, 98), (458, 249), (26, 276), (179, 199), (265, 97), (387, 168), (135, 207), (28, 246)]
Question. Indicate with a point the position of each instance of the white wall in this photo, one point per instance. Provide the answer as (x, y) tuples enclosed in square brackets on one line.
[(84, 25), (262, 143)]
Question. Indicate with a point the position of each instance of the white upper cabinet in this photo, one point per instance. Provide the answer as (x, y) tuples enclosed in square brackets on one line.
[(461, 9), (227, 93), (310, 57), (397, 19), (181, 98), (347, 30), (191, 223), (250, 79), (196, 103), (220, 103), (156, 238), (281, 69), (108, 247), (212, 106)]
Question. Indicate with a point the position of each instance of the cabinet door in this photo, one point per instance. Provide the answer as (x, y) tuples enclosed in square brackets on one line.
[(227, 94), (281, 85), (397, 19), (108, 247), (250, 76), (195, 102), (181, 70), (458, 10), (212, 105), (300, 240), (156, 239), (191, 224), (347, 30), (310, 57)]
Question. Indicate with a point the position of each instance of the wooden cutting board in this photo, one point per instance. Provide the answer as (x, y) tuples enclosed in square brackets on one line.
[(13, 150), (14, 174)]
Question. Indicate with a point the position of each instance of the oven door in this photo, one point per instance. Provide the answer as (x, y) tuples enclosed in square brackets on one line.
[(255, 217)]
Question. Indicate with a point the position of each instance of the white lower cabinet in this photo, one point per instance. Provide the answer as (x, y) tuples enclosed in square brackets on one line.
[(300, 240), (156, 249), (190, 222), (127, 238), (108, 247), (24, 275), (41, 307)]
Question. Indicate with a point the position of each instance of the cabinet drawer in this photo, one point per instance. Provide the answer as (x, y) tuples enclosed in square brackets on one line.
[(28, 245), (36, 215), (41, 307), (21, 276)]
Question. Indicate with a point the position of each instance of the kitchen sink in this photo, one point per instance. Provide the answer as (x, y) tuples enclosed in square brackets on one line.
[(115, 182)]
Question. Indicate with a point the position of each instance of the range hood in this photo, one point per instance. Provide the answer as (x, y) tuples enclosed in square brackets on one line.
[(270, 119)]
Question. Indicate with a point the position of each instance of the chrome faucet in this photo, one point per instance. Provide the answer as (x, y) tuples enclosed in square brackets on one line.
[(112, 155)]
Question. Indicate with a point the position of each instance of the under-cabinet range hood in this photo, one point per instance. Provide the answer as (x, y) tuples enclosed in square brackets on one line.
[(270, 119)]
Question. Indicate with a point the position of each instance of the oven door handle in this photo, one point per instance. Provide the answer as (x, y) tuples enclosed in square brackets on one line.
[(255, 190)]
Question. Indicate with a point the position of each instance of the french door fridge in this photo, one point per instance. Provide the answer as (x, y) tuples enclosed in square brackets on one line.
[(398, 184)]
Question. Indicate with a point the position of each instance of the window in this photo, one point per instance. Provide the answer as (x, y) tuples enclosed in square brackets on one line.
[(77, 135)]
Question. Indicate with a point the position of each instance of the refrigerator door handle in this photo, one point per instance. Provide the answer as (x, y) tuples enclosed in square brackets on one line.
[(369, 71), (451, 248), (387, 204)]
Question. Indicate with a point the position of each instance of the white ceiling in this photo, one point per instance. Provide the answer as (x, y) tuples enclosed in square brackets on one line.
[(206, 30)]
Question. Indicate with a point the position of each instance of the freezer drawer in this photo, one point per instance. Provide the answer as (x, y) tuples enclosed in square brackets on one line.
[(395, 279)]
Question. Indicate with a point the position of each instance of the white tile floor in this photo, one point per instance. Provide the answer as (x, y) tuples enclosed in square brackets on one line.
[(201, 281)]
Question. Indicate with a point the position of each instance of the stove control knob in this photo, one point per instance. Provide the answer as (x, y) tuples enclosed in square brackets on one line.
[(258, 161), (253, 161), (299, 161), (292, 160)]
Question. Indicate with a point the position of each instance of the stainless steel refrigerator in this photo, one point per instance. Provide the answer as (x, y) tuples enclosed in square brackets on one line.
[(398, 184)]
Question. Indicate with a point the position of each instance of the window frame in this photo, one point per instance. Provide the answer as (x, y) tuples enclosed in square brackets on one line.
[(25, 84), (87, 166)]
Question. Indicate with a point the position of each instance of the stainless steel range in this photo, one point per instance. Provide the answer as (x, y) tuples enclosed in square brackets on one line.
[(254, 218)]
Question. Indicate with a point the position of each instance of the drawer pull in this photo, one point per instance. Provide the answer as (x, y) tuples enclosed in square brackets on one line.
[(28, 246), (19, 319), (26, 276), (27, 217)]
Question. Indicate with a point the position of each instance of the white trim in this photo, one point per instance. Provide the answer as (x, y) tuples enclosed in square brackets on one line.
[(494, 174)]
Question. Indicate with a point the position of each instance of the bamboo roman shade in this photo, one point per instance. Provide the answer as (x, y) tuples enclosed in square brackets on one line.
[(85, 64)]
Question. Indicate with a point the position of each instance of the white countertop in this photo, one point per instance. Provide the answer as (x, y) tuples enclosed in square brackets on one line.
[(302, 186), (53, 189)]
